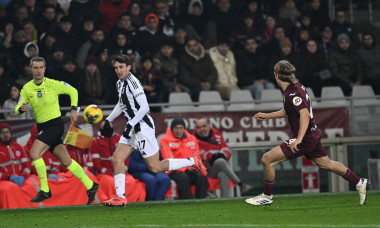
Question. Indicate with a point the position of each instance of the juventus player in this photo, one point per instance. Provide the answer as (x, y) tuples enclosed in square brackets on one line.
[(139, 133), (306, 139)]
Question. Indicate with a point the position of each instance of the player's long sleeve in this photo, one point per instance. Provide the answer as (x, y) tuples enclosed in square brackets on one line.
[(115, 112), (144, 109)]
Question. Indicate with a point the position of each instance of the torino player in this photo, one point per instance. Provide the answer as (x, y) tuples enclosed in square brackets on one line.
[(306, 139), (139, 133)]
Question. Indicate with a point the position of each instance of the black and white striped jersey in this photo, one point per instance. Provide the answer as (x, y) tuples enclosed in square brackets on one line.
[(132, 103)]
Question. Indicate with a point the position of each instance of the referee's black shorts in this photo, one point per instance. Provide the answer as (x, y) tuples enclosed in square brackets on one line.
[(51, 132)]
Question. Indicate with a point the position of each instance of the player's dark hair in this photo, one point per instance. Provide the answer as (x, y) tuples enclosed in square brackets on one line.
[(123, 59), (285, 71), (37, 59)]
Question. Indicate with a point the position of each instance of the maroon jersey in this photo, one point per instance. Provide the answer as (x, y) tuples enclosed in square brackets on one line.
[(296, 98)]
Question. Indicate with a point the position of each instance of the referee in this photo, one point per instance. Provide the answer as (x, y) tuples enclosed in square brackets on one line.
[(42, 94)]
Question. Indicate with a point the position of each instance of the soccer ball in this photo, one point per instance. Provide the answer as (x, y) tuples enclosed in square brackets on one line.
[(92, 114)]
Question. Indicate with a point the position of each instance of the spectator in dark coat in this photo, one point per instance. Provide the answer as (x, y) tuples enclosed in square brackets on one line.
[(69, 73), (66, 36), (196, 69), (346, 66), (316, 71), (341, 25), (251, 67), (325, 42), (47, 21), (370, 56)]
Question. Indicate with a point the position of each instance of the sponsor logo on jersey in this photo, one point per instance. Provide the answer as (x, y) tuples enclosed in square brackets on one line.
[(66, 84), (297, 101), (192, 148), (292, 94), (18, 153), (190, 144)]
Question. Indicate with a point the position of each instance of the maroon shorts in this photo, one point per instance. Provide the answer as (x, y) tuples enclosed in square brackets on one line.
[(310, 148)]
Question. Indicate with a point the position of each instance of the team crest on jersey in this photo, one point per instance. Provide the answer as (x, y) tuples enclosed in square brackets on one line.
[(66, 84), (39, 94), (18, 153), (297, 101)]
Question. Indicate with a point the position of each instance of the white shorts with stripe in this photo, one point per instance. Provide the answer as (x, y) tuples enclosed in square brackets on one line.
[(145, 141)]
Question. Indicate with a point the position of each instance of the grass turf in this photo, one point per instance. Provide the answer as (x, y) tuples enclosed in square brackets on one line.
[(297, 210)]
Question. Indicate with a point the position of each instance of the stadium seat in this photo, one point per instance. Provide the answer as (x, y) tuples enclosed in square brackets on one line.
[(363, 91), (312, 96), (177, 101), (241, 96), (271, 100), (210, 97), (329, 92)]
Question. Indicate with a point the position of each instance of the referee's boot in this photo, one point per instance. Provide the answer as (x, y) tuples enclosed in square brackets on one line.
[(41, 196), (91, 193)]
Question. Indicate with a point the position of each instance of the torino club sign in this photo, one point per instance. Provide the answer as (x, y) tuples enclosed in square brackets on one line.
[(242, 127)]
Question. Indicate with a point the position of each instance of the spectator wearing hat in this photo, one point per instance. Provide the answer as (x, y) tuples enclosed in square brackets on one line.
[(345, 65), (110, 11), (370, 55), (196, 69), (14, 163), (225, 64), (179, 143), (149, 39)]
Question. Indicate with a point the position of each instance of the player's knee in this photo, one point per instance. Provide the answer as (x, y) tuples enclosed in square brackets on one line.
[(265, 160)]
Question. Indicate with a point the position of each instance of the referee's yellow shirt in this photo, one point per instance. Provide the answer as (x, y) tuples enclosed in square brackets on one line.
[(43, 98)]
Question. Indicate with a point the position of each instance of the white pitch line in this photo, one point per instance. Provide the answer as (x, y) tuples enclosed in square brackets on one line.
[(257, 225)]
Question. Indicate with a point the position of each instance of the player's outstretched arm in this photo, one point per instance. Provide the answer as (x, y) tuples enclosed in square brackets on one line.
[(273, 115)]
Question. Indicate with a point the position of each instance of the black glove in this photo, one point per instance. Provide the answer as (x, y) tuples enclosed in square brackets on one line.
[(127, 131), (216, 156), (107, 125)]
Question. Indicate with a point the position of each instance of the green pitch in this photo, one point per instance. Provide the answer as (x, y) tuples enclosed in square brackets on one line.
[(301, 210)]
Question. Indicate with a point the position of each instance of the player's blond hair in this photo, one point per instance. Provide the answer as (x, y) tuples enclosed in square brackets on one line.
[(285, 71)]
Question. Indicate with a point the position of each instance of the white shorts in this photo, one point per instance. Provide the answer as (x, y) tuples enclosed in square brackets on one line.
[(145, 141)]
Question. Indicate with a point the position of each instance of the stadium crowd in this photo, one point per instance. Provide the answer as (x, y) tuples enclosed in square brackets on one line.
[(181, 45)]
